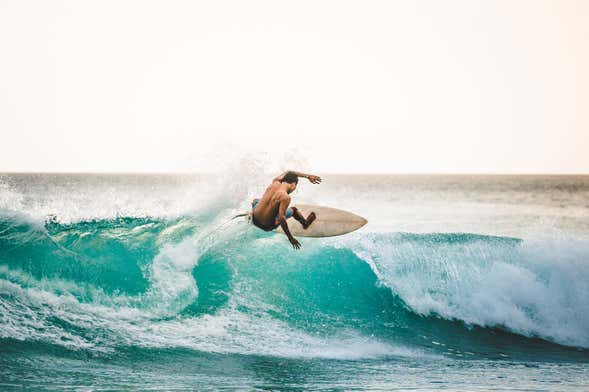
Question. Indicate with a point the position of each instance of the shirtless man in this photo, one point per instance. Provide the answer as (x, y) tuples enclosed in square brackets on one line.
[(272, 209)]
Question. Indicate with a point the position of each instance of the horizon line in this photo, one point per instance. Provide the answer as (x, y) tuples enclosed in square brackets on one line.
[(171, 173)]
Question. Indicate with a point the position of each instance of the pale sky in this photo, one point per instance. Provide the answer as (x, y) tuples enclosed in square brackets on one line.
[(353, 86)]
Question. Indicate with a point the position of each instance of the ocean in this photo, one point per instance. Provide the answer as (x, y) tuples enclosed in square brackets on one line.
[(142, 282)]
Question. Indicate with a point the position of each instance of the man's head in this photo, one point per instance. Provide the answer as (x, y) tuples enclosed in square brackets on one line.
[(292, 180)]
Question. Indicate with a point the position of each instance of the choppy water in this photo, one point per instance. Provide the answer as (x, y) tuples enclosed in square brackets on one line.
[(457, 282)]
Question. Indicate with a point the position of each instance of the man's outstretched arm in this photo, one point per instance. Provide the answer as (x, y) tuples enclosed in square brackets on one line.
[(312, 178)]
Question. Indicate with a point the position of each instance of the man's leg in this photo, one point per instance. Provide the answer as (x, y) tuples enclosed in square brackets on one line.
[(300, 218)]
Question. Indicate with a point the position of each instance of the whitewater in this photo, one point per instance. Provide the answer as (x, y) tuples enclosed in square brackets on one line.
[(140, 281)]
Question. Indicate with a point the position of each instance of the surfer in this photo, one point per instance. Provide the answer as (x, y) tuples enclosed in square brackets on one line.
[(272, 209)]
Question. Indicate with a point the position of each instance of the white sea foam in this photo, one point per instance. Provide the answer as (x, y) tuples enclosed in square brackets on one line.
[(536, 288), (229, 331)]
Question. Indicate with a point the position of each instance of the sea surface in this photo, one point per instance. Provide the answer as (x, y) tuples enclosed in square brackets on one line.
[(142, 282)]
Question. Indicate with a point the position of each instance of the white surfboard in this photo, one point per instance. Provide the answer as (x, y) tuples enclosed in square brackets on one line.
[(329, 222)]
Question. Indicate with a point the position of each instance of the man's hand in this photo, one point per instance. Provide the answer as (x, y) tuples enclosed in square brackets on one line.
[(295, 243), (314, 179)]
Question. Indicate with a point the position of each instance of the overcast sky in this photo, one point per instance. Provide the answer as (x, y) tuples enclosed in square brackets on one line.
[(351, 86)]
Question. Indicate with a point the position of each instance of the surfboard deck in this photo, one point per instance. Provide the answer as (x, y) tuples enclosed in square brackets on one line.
[(330, 222)]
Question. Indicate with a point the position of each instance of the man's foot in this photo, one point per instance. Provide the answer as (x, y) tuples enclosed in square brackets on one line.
[(309, 220)]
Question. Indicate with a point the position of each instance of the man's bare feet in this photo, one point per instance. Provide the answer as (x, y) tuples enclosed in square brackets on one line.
[(309, 220)]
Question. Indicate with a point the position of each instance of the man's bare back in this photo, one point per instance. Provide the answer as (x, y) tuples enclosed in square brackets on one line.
[(272, 210)]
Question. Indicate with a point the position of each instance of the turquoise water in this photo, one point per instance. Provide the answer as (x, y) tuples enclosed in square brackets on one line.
[(137, 282)]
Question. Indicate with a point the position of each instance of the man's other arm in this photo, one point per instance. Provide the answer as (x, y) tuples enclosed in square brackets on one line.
[(312, 178), (284, 202)]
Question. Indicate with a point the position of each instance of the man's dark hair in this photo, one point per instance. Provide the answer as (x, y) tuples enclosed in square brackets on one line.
[(290, 178)]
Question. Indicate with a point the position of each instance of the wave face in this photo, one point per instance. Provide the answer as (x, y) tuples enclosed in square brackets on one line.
[(137, 266), (184, 282)]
